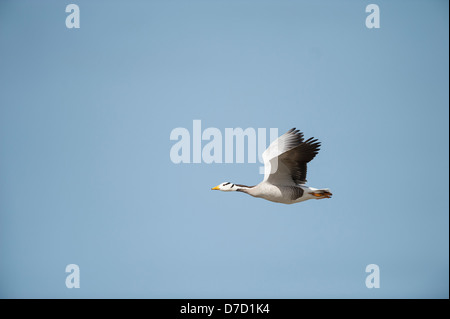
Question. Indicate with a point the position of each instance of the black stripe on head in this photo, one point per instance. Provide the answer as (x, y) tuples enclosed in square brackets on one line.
[(226, 184), (232, 186)]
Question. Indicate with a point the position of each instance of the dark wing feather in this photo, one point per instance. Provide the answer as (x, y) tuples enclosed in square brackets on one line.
[(297, 158)]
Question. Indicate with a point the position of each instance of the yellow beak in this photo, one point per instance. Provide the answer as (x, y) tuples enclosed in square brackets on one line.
[(215, 188)]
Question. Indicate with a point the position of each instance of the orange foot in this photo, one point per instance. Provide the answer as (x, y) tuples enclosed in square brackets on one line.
[(321, 194)]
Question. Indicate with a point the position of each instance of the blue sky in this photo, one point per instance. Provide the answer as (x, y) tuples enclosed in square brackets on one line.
[(85, 170)]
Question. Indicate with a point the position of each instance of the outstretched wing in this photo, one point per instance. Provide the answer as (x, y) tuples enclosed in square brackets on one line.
[(286, 158)]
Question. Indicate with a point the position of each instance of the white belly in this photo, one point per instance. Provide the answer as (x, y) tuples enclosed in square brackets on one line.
[(281, 194)]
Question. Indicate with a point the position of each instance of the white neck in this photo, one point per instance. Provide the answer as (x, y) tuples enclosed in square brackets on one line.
[(243, 188)]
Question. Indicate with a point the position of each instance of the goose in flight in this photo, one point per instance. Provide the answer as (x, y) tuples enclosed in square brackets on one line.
[(284, 171)]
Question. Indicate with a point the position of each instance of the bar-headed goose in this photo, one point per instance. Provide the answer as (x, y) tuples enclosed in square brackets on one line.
[(284, 171)]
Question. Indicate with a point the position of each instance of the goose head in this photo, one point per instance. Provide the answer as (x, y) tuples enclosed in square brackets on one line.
[(225, 187)]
